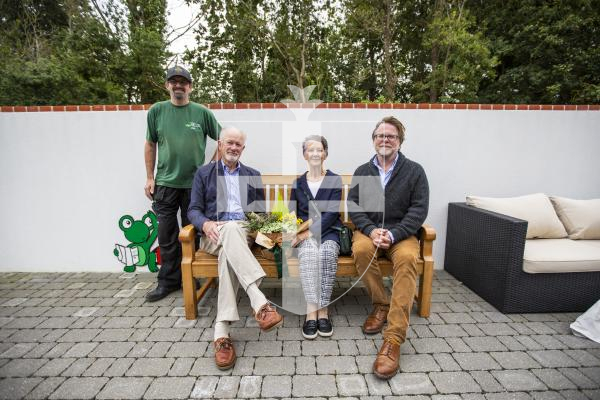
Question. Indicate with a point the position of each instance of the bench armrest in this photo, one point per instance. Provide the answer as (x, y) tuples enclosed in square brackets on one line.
[(187, 237), (484, 250)]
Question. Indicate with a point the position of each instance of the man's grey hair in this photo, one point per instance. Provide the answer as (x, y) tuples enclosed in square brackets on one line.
[(232, 129)]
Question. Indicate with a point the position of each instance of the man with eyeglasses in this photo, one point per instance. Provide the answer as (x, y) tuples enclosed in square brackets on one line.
[(178, 127), (388, 202)]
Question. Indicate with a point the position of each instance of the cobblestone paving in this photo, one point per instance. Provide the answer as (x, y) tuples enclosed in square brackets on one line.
[(92, 336)]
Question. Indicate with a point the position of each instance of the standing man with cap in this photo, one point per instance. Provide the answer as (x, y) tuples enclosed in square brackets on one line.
[(178, 127)]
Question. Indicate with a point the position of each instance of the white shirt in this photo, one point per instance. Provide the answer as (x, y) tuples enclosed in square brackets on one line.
[(314, 186)]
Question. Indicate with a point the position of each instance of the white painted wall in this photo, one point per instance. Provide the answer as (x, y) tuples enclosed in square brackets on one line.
[(67, 177)]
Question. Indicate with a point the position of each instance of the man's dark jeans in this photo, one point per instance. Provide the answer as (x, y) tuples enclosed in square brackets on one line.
[(167, 202)]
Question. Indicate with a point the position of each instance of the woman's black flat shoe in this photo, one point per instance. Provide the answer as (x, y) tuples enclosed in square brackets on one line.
[(324, 327), (309, 329)]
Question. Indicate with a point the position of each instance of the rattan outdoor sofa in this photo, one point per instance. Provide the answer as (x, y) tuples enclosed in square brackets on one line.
[(484, 250)]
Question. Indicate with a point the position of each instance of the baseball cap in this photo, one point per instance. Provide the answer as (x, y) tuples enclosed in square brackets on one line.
[(178, 71)]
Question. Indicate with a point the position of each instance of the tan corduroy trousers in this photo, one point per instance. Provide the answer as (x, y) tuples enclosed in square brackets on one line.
[(237, 266), (403, 255)]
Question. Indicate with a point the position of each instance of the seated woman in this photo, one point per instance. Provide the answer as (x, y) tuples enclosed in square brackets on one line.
[(316, 195)]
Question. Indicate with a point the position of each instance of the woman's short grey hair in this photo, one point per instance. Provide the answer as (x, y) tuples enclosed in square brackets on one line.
[(316, 138)]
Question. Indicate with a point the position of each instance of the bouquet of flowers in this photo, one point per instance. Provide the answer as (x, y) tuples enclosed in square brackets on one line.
[(275, 229)]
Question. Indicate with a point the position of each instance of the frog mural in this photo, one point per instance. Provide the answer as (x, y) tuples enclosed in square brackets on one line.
[(142, 234)]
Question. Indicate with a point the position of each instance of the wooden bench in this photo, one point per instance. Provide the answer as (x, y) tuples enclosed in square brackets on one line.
[(198, 264)]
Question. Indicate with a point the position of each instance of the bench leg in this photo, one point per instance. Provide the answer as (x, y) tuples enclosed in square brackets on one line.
[(190, 300), (425, 289)]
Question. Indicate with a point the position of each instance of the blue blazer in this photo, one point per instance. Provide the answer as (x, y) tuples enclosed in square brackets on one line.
[(327, 201), (208, 199)]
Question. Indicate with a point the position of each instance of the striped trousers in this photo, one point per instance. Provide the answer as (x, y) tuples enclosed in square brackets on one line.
[(318, 265)]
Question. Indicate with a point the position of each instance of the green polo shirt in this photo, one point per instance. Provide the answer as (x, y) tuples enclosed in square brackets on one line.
[(180, 132)]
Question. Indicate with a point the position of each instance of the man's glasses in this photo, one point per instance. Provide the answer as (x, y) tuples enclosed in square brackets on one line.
[(181, 82), (381, 136)]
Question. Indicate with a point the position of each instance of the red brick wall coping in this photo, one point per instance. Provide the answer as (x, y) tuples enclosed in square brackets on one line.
[(265, 106)]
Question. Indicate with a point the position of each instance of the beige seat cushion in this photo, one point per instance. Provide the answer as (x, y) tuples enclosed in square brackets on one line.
[(536, 209), (561, 255), (581, 218)]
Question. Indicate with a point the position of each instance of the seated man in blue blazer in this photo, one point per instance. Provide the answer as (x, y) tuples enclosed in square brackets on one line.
[(221, 192)]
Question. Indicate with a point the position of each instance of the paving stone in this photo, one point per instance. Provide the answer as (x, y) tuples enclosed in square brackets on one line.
[(40, 350), (446, 362), (457, 318), (206, 366), (511, 343), (227, 387), (347, 348), (165, 335), (508, 396), (243, 366), (418, 363), (454, 382), (17, 350), (314, 385), (186, 349), (583, 357), (150, 367), (518, 380), (78, 367), (366, 347), (56, 323), (79, 388), (80, 350), (521, 328), (205, 387), (578, 378), (476, 361), (119, 367), (592, 372), (575, 342), (497, 329), (306, 366), (546, 395), (125, 388), (553, 358), (276, 386), (448, 330), (159, 349), (529, 343), (458, 345), (274, 366), (486, 381), (484, 344), (181, 366), (170, 388), (515, 360), (98, 367), (573, 395), (114, 335), (351, 385), (292, 348), (592, 394), (554, 379), (16, 388), (79, 335), (376, 386), (45, 388), (112, 349), (540, 328), (21, 368), (267, 348), (54, 367), (472, 330), (408, 383), (549, 342), (249, 387), (320, 348), (430, 345)]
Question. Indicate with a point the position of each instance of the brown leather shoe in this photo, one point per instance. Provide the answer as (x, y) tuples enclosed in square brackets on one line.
[(375, 320), (224, 353), (268, 318), (387, 362)]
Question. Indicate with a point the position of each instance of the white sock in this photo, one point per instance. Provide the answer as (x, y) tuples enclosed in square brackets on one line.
[(257, 298), (221, 329)]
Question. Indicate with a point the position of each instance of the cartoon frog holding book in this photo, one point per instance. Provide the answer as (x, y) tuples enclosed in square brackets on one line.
[(142, 234)]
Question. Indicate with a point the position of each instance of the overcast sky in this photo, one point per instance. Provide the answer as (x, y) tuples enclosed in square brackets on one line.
[(180, 16)]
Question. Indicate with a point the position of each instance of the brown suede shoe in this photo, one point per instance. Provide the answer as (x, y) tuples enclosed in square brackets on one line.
[(387, 362), (268, 318), (224, 353), (375, 320)]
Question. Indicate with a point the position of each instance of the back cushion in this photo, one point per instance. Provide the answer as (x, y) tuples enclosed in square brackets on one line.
[(536, 209), (581, 218)]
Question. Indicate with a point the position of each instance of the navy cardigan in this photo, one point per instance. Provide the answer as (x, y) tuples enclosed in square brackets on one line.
[(327, 201), (205, 204)]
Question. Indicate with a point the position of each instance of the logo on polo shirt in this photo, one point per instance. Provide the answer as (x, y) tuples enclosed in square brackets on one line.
[(193, 126)]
